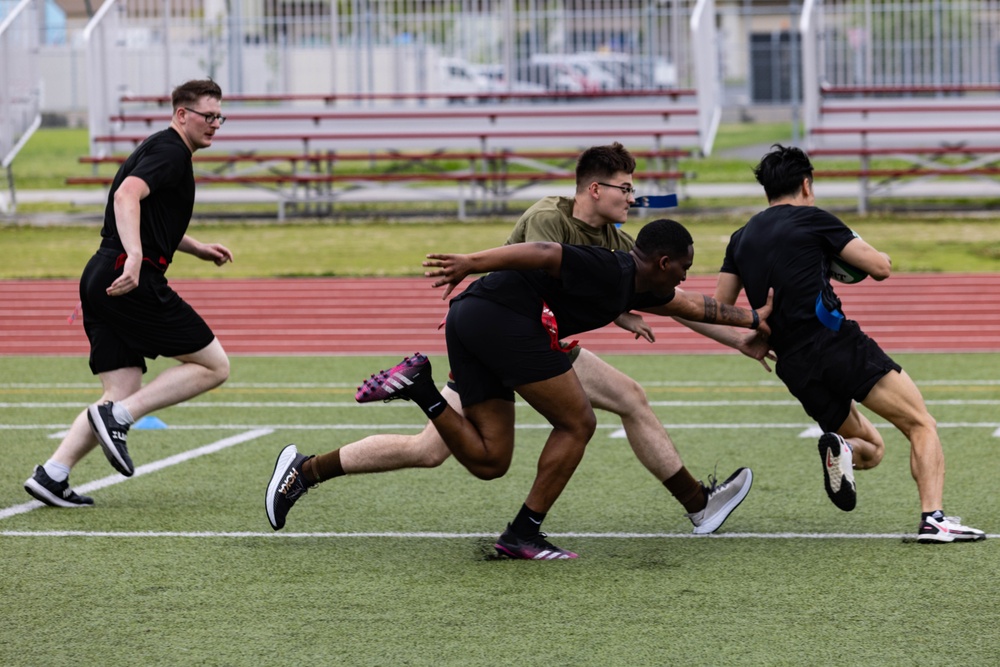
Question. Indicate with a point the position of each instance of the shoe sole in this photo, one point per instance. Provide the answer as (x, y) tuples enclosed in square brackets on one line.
[(285, 457), (847, 498), (504, 552), (944, 538), (104, 438), (727, 509), (41, 494)]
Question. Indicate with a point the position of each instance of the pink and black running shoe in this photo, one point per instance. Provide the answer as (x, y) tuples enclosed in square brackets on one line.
[(396, 382)]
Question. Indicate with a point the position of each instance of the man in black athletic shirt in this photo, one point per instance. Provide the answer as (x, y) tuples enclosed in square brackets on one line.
[(130, 313), (827, 362)]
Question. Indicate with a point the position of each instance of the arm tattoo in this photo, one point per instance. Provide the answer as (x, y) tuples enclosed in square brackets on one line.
[(711, 310)]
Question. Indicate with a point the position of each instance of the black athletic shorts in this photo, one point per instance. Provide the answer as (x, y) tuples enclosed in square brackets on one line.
[(150, 321), (832, 369), (492, 349)]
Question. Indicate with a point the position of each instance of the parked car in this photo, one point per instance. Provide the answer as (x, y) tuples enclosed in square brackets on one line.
[(459, 76), (569, 72)]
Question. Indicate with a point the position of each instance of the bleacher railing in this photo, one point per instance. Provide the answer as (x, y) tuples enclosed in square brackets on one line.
[(20, 94), (706, 60), (927, 43)]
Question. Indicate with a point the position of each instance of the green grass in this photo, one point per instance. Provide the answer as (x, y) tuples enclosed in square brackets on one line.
[(125, 590), (928, 243), (356, 245)]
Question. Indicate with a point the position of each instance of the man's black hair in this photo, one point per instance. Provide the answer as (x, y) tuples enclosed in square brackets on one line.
[(664, 237), (782, 170)]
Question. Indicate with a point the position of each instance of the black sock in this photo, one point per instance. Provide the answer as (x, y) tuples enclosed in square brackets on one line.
[(937, 514), (527, 523), (428, 398)]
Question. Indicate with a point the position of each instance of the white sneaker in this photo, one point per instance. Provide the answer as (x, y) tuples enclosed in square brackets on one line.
[(940, 529), (838, 471), (722, 500)]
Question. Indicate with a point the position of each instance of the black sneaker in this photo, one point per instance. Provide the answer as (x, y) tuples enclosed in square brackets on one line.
[(396, 382), (529, 548), (112, 436), (286, 486), (53, 493)]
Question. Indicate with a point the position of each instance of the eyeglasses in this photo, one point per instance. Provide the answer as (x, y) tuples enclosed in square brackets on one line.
[(626, 190), (209, 117)]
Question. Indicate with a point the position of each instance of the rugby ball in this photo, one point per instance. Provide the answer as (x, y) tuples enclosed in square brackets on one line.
[(845, 273)]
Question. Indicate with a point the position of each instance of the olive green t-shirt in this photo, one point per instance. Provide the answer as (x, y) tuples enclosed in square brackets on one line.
[(551, 219)]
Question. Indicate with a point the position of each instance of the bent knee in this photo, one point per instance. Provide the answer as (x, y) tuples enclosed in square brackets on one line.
[(431, 455), (490, 470), (582, 427)]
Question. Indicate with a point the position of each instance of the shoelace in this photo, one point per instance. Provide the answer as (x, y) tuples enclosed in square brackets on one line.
[(713, 482)]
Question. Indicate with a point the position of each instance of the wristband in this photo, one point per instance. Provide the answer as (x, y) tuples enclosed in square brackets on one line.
[(756, 319)]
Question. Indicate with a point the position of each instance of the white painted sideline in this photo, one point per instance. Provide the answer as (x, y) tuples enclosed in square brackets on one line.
[(146, 468), (447, 536)]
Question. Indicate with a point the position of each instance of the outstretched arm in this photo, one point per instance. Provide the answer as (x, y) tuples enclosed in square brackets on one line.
[(453, 269), (727, 289), (703, 308)]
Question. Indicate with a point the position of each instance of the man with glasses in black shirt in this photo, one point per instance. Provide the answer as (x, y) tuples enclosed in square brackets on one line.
[(130, 313)]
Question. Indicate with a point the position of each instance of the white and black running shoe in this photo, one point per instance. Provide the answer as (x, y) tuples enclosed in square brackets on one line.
[(286, 486), (55, 494), (112, 435)]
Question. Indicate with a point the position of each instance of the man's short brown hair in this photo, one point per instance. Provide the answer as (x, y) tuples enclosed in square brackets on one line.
[(189, 92), (600, 163)]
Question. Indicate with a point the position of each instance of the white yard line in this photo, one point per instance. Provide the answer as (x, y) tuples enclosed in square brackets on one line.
[(147, 468), (449, 536), (44, 405)]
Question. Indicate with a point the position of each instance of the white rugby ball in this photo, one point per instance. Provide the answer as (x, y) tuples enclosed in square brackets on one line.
[(845, 273)]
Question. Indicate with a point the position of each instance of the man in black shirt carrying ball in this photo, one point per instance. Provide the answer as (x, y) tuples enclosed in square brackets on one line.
[(824, 358), (130, 313)]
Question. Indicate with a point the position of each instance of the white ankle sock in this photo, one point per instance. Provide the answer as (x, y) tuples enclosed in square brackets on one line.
[(121, 414), (57, 471)]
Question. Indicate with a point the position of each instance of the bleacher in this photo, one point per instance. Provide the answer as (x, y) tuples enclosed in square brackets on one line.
[(309, 152), (907, 133), (922, 111)]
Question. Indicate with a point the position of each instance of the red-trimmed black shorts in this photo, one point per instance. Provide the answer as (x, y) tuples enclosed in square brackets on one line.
[(492, 349), (150, 321)]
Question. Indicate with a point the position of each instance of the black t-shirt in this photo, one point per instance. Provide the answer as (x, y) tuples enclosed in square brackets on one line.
[(788, 248), (163, 162), (596, 285)]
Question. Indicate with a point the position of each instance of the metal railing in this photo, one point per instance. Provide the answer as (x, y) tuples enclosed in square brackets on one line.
[(20, 94)]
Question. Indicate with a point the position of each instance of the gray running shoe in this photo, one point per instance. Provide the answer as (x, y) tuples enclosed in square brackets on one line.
[(722, 500)]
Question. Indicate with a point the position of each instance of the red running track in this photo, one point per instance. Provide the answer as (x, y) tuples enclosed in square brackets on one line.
[(397, 316)]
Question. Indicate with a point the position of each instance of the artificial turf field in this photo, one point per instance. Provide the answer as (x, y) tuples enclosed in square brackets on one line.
[(178, 565)]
